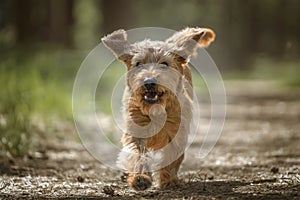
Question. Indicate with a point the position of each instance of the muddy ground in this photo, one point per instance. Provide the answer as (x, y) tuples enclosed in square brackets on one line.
[(256, 157)]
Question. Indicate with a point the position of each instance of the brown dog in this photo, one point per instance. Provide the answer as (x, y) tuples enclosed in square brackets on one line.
[(158, 103)]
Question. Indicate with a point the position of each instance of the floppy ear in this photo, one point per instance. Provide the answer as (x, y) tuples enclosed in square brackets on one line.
[(118, 44), (186, 41)]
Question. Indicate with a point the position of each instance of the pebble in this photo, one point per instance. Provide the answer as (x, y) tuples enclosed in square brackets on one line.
[(80, 179), (108, 190), (274, 170)]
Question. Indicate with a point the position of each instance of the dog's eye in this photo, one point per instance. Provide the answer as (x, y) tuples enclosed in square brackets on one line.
[(138, 64), (164, 63)]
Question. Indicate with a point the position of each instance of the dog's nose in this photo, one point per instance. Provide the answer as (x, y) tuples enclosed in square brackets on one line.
[(150, 83)]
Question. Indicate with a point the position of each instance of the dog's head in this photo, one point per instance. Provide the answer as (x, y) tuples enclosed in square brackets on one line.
[(156, 69)]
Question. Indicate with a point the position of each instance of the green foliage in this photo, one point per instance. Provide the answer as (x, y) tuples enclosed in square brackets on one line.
[(36, 85), (285, 72), (86, 29), (15, 109)]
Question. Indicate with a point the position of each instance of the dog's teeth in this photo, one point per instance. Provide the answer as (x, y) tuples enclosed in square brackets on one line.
[(156, 97), (145, 97)]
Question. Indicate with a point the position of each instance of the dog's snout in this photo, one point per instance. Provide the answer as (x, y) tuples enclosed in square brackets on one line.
[(150, 83)]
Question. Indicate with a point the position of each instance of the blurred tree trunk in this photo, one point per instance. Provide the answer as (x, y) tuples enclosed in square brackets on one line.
[(240, 32), (43, 21), (117, 14), (279, 29), (232, 35), (24, 27), (6, 11), (60, 22), (253, 36)]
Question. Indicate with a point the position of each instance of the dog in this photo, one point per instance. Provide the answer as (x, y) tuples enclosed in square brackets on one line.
[(157, 103)]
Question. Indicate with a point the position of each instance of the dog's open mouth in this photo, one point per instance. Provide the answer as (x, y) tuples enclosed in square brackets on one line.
[(151, 96)]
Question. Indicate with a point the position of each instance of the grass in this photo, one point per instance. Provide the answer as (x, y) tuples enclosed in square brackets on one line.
[(35, 84)]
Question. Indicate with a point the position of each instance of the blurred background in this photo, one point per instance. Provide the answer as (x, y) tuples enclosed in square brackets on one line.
[(42, 44)]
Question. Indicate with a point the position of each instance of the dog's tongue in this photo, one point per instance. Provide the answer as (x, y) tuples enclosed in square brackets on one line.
[(150, 94)]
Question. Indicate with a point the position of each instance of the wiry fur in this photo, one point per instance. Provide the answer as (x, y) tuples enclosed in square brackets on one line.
[(156, 134)]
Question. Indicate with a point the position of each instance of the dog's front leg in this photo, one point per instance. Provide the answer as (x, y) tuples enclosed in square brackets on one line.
[(140, 178), (168, 175), (134, 159)]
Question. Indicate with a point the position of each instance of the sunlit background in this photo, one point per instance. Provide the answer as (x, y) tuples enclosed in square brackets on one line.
[(42, 44)]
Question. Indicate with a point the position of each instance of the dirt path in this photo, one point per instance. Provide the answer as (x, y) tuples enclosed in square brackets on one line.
[(256, 157)]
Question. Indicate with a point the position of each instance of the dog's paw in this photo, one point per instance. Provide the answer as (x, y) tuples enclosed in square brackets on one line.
[(140, 182), (174, 183)]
